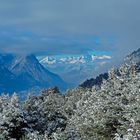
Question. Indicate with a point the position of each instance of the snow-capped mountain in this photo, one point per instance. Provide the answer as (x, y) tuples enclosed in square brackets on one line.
[(73, 59), (23, 72), (78, 67), (66, 60), (48, 60), (100, 57)]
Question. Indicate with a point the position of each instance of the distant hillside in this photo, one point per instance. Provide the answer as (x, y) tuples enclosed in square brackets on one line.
[(24, 72), (133, 58), (95, 82)]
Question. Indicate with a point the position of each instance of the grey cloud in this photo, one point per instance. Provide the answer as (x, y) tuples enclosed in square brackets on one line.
[(74, 19)]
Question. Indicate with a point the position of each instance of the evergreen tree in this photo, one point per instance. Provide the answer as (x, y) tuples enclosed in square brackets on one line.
[(13, 123)]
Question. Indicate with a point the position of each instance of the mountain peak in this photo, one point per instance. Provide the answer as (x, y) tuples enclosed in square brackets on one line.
[(29, 72)]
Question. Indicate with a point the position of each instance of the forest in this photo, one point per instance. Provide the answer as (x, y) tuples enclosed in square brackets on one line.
[(111, 111)]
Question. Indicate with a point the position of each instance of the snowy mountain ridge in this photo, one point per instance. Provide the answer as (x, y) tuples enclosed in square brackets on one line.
[(72, 59)]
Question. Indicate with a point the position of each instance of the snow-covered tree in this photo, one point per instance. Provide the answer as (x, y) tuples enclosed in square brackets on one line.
[(112, 110), (106, 113), (13, 123)]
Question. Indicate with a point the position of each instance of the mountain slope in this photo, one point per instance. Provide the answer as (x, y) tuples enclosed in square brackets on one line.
[(133, 58), (7, 79), (28, 73), (95, 82)]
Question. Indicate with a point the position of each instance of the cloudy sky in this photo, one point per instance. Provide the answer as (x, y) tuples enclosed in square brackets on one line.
[(55, 27)]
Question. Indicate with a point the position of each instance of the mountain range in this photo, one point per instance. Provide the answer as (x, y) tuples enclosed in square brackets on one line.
[(79, 67), (25, 72), (22, 72), (72, 59)]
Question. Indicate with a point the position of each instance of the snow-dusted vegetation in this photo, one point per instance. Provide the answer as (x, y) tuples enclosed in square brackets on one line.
[(111, 112)]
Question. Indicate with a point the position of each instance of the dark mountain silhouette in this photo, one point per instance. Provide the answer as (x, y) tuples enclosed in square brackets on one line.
[(94, 82)]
